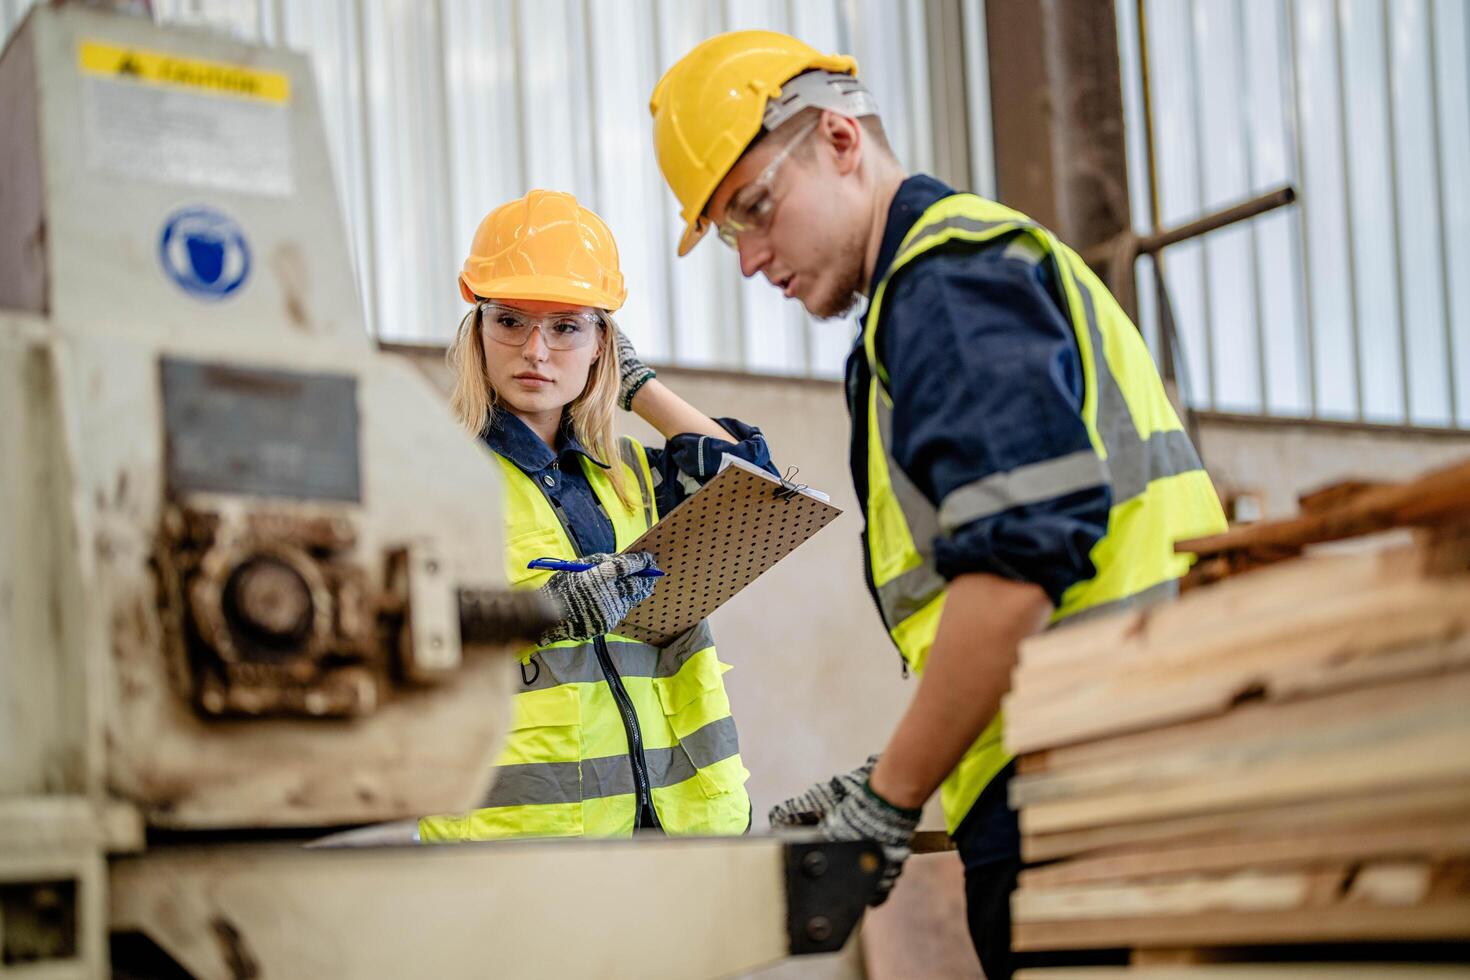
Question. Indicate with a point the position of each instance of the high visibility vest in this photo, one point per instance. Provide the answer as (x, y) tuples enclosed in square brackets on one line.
[(1161, 493), (601, 718)]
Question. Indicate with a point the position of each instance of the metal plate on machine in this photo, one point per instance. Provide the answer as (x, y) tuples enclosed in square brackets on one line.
[(242, 430)]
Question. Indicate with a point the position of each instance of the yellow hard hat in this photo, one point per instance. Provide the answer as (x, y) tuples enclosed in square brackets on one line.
[(710, 105), (544, 246)]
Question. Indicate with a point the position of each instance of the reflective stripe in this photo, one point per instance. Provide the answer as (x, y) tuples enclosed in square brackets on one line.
[(901, 597), (1162, 454), (1154, 594), (715, 741), (1133, 463), (608, 775), (1025, 248), (919, 239), (578, 664), (1031, 484), (918, 512), (634, 457), (591, 779), (672, 658), (537, 782)]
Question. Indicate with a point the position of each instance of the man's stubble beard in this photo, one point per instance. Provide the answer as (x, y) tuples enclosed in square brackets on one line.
[(846, 291)]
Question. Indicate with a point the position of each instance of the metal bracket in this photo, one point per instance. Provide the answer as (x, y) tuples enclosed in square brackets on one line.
[(828, 884)]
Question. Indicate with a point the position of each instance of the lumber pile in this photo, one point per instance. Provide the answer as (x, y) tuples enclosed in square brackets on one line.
[(1281, 757)]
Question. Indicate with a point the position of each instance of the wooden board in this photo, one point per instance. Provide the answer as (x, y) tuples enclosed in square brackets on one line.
[(1437, 497), (1245, 720), (1256, 971), (1314, 647), (1383, 760), (1260, 735), (1347, 923), (1375, 809), (1436, 840)]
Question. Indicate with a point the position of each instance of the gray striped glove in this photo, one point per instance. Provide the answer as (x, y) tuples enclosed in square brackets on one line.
[(846, 808), (597, 600), (632, 372)]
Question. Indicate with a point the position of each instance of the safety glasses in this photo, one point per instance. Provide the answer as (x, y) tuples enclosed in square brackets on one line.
[(568, 330), (753, 207)]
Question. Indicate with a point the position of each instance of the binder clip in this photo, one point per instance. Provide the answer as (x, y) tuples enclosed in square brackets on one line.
[(789, 487)]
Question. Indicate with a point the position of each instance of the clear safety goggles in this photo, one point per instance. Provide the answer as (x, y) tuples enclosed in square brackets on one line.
[(567, 330), (753, 207)]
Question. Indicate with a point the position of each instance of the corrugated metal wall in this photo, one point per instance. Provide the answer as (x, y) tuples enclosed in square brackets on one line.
[(1355, 304), (439, 110)]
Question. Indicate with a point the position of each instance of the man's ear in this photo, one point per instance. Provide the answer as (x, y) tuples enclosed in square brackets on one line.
[(845, 136)]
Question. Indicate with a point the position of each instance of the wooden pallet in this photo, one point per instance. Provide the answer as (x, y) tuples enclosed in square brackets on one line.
[(1280, 758)]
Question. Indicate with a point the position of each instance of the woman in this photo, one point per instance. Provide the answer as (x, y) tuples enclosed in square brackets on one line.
[(609, 735)]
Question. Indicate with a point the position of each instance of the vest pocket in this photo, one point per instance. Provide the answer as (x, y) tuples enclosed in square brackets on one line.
[(546, 727), (697, 709), (542, 542), (538, 779)]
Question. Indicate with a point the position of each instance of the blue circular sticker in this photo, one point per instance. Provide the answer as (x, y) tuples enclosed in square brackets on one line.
[(204, 252)]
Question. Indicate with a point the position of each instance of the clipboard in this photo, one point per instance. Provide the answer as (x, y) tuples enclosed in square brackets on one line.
[(725, 536)]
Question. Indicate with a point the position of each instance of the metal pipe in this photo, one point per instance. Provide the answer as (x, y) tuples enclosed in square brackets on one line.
[(1203, 225)]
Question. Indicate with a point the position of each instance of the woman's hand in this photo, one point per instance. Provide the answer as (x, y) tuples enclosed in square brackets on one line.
[(634, 374), (597, 600)]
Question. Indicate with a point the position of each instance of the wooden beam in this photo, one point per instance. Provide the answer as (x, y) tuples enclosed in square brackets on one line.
[(1299, 848), (1448, 920), (1363, 811), (1437, 497)]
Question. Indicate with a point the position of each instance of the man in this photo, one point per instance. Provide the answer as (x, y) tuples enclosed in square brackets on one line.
[(1014, 453)]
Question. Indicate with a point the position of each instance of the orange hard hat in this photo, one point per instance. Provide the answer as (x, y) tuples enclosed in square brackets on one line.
[(544, 246)]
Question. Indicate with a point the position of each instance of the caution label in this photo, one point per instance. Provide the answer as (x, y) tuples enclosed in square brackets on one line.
[(172, 71), (160, 118)]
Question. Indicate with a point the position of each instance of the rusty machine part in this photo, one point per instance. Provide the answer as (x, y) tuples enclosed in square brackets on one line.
[(268, 614)]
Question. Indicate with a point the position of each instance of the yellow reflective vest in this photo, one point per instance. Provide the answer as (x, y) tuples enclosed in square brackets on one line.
[(1161, 493), (599, 725)]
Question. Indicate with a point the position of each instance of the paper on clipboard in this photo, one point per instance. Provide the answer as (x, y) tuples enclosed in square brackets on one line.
[(717, 542)]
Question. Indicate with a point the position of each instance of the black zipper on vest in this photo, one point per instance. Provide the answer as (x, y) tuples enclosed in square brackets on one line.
[(642, 786)]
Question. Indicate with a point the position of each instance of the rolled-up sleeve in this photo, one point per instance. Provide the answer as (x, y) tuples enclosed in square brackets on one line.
[(987, 390), (689, 461)]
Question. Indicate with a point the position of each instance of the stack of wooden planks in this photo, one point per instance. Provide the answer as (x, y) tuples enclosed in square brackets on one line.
[(1281, 757)]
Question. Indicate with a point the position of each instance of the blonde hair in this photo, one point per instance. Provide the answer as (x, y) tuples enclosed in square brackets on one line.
[(473, 400)]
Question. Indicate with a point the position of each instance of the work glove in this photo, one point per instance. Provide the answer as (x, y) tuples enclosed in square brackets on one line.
[(633, 373), (597, 600), (846, 808)]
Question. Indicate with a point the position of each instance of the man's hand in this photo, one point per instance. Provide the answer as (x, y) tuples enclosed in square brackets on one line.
[(846, 808)]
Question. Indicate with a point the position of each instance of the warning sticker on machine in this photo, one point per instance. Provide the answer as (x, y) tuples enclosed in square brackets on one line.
[(155, 116)]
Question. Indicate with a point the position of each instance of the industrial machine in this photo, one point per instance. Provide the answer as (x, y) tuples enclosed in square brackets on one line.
[(251, 578)]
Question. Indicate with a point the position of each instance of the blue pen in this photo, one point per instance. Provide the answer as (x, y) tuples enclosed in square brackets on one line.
[(556, 565)]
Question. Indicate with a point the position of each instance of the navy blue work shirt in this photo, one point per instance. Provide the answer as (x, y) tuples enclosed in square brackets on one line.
[(986, 377), (680, 468)]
